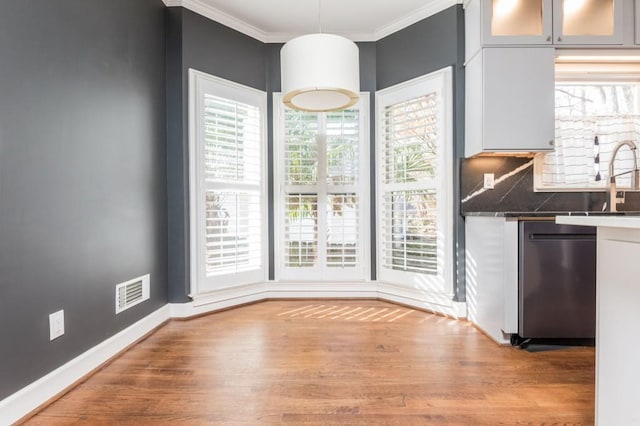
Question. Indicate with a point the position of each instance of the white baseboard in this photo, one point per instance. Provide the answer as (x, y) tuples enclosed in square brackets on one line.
[(461, 309), (438, 303), (21, 403), (315, 290), (221, 299), (501, 338)]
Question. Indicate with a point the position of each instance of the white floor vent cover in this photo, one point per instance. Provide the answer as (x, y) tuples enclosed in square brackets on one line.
[(132, 292)]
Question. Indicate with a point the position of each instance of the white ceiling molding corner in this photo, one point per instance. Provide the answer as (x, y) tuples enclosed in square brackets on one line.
[(429, 9), (204, 9), (275, 37)]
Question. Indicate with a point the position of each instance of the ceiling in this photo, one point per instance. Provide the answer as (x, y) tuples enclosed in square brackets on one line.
[(274, 21)]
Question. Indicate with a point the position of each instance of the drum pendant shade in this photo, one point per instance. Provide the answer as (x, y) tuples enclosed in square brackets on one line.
[(320, 72)]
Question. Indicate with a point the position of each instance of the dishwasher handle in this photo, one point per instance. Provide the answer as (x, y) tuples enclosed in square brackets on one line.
[(546, 237)]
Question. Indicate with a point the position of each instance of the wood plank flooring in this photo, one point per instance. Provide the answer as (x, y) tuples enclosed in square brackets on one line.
[(330, 363)]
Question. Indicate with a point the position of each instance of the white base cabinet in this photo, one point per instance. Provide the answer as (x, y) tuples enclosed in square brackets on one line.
[(510, 100), (492, 275), (617, 317), (618, 324)]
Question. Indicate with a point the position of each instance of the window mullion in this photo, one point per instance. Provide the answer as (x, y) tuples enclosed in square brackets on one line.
[(228, 186), (301, 189), (322, 191)]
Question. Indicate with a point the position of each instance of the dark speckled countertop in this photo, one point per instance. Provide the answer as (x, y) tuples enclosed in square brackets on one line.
[(551, 214)]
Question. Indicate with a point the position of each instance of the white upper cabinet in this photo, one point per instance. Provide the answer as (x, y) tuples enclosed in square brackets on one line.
[(510, 100), (562, 22)]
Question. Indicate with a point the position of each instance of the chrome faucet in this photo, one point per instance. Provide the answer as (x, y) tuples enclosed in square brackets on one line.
[(613, 199)]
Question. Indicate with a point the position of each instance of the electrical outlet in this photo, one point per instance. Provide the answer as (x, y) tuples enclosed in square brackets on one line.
[(56, 325), (488, 180)]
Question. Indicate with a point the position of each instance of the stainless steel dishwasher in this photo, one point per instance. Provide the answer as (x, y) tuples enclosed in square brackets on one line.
[(556, 281)]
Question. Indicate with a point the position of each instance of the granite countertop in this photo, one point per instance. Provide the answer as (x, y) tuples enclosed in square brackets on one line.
[(551, 214)]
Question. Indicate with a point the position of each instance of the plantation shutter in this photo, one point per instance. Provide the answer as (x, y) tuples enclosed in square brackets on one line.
[(232, 157), (301, 194), (321, 218), (343, 159), (230, 134), (410, 153)]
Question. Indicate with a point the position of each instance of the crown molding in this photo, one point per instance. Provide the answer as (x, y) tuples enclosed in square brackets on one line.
[(429, 9), (204, 9)]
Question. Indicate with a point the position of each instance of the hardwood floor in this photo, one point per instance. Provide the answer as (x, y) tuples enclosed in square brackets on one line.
[(329, 363)]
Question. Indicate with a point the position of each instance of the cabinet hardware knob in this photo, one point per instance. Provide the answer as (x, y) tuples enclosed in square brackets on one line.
[(548, 38), (559, 38), (551, 143)]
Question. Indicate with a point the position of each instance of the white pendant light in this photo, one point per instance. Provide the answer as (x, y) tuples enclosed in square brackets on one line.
[(320, 72)]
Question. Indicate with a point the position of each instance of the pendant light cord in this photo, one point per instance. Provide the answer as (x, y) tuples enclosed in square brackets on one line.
[(319, 16)]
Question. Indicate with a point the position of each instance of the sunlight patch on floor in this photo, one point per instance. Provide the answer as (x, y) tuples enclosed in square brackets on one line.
[(348, 313)]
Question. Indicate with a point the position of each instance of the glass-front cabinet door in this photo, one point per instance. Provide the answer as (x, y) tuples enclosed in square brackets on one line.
[(517, 21), (587, 21), (568, 22)]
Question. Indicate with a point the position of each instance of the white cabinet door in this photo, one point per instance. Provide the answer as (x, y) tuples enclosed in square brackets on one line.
[(588, 21), (510, 100)]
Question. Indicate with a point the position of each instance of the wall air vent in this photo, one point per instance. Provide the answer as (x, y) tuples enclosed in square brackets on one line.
[(132, 292)]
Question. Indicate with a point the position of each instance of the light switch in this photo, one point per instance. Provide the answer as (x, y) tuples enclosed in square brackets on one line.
[(56, 325)]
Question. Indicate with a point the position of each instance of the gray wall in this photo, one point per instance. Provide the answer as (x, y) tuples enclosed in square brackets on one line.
[(424, 47), (194, 41), (82, 174)]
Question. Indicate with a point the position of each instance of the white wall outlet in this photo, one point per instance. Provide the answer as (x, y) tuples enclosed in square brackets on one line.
[(488, 181), (56, 325)]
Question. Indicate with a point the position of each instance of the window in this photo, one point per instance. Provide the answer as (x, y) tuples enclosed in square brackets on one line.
[(227, 183), (414, 144), (321, 206), (594, 112)]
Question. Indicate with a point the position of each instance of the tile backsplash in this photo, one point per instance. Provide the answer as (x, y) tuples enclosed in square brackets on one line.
[(513, 191)]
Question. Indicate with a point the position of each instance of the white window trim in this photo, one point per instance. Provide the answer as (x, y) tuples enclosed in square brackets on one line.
[(310, 274), (437, 289), (241, 93)]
